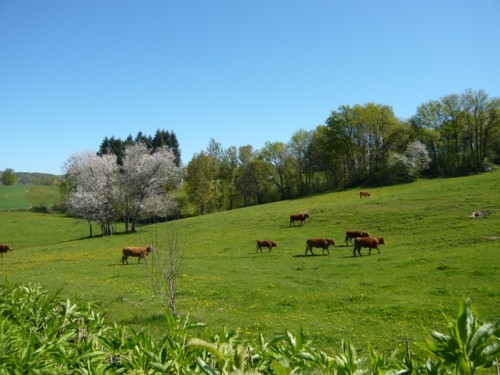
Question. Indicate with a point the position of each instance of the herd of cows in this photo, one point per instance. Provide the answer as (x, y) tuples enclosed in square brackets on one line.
[(360, 239)]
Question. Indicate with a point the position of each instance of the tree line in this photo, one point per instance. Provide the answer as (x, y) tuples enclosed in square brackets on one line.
[(360, 145)]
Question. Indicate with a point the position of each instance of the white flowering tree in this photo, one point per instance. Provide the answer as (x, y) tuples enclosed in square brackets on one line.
[(413, 161), (93, 188), (146, 181), (418, 158)]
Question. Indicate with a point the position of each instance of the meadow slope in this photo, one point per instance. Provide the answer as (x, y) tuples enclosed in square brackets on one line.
[(434, 254)]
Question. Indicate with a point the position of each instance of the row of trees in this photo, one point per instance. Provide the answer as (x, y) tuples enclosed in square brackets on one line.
[(358, 145), (462, 132)]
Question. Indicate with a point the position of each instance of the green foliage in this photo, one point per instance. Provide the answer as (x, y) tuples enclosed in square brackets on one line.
[(469, 345), (42, 334), (9, 177)]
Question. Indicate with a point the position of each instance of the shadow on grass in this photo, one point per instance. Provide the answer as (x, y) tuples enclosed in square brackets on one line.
[(309, 255), (95, 236)]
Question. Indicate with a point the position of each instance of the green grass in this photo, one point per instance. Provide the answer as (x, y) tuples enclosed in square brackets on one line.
[(434, 255), (23, 197)]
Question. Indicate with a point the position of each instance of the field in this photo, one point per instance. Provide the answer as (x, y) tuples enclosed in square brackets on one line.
[(434, 255), (23, 197)]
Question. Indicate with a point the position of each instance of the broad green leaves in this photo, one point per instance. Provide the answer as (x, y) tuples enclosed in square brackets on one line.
[(41, 335), (469, 343)]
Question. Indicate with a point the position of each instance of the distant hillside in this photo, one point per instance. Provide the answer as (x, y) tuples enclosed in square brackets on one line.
[(28, 178)]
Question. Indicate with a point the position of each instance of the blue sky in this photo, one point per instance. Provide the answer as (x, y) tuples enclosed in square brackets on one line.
[(241, 71)]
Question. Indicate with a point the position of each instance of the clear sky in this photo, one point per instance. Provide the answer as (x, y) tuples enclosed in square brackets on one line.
[(239, 71)]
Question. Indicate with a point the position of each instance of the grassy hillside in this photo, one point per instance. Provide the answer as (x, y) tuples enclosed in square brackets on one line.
[(434, 254), (22, 197)]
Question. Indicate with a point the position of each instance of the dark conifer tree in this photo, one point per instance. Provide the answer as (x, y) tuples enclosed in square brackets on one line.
[(159, 139), (112, 146), (162, 138)]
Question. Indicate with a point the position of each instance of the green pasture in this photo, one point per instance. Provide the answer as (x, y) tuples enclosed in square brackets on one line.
[(434, 255), (23, 197)]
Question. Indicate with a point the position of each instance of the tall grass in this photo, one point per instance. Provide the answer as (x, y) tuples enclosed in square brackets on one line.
[(434, 255)]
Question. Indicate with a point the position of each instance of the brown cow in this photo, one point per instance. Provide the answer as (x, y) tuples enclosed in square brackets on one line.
[(4, 248), (323, 243), (135, 251), (298, 217), (265, 243), (351, 234), (364, 194), (369, 242)]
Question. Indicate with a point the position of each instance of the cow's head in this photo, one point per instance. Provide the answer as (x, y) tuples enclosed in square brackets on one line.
[(331, 241), (381, 240), (273, 244)]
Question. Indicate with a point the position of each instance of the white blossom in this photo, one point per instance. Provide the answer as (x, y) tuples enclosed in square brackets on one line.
[(94, 187), (146, 180)]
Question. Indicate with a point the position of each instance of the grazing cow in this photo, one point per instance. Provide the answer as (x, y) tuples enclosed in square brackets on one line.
[(4, 248), (135, 251), (299, 217), (351, 234), (369, 242), (364, 194), (322, 243), (265, 243)]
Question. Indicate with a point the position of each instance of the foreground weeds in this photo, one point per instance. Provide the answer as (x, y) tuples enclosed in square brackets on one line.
[(42, 334)]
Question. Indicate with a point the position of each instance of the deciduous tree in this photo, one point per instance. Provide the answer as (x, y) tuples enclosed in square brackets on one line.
[(298, 146), (202, 171), (146, 176), (482, 124), (92, 188), (277, 155), (9, 177)]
